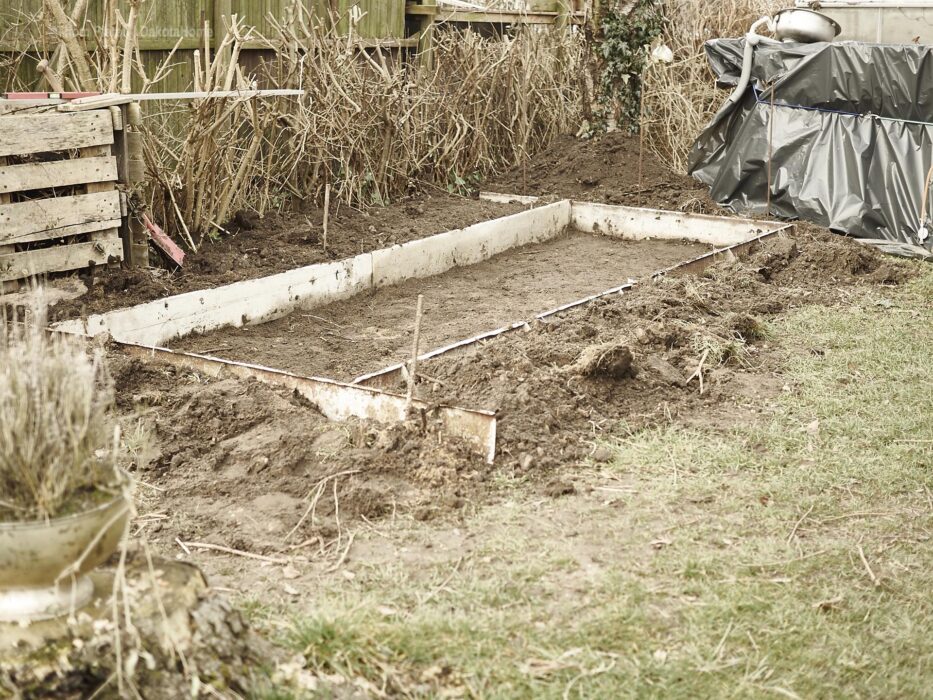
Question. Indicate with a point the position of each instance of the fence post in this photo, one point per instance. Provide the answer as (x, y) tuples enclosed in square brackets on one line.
[(10, 286), (426, 35), (222, 12), (564, 14), (131, 172)]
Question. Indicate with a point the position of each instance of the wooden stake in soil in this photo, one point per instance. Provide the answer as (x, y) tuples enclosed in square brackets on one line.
[(415, 350), (326, 213)]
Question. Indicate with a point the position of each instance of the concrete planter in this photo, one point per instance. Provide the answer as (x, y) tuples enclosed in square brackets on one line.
[(35, 555)]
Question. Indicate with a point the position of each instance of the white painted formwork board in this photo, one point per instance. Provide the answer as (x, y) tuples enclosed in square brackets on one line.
[(504, 198), (437, 254), (338, 401), (631, 223), (241, 303)]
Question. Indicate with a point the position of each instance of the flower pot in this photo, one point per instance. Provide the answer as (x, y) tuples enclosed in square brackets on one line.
[(44, 564)]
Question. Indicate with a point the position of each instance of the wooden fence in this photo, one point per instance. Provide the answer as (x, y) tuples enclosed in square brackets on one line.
[(167, 24)]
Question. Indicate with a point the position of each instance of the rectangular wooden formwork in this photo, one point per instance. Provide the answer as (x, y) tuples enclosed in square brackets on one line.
[(60, 208)]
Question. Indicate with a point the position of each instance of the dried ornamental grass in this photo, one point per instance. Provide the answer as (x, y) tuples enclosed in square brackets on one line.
[(57, 433)]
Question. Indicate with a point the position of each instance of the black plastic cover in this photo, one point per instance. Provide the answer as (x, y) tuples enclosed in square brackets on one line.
[(842, 131)]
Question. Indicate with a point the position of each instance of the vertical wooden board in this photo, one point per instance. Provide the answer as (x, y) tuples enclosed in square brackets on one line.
[(165, 21), (181, 77), (256, 13), (12, 12), (6, 249), (382, 19)]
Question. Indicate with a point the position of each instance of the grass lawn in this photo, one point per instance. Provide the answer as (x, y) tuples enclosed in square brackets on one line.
[(787, 557)]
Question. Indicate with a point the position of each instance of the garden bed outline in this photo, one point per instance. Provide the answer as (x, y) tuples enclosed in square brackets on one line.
[(142, 330)]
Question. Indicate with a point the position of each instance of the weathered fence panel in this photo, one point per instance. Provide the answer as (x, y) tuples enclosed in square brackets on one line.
[(180, 24)]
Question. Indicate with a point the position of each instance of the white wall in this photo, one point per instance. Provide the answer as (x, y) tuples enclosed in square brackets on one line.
[(881, 21)]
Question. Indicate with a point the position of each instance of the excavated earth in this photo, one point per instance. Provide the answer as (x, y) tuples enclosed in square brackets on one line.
[(239, 463)]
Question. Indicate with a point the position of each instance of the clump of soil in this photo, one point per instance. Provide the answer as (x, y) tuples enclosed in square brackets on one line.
[(605, 168), (613, 360), (279, 242)]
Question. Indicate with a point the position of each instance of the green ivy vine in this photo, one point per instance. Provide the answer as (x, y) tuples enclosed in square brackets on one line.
[(622, 43)]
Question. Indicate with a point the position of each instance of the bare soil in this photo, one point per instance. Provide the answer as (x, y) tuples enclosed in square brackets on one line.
[(279, 242), (369, 332), (606, 169), (237, 463)]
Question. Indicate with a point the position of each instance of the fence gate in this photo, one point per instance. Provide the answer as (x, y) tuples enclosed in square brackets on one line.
[(60, 208)]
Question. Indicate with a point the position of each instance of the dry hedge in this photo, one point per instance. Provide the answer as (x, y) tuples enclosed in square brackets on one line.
[(373, 125)]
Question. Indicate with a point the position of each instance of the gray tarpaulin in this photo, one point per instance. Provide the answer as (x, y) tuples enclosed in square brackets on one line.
[(847, 128)]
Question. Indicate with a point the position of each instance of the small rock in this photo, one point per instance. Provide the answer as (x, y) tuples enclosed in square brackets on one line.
[(602, 454), (290, 573), (526, 461), (666, 371)]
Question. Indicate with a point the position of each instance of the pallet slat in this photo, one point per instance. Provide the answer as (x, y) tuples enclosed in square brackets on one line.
[(41, 219), (59, 258), (38, 133), (59, 173)]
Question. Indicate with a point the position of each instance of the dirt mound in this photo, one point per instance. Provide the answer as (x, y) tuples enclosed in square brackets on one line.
[(693, 349), (237, 462), (823, 257), (605, 168)]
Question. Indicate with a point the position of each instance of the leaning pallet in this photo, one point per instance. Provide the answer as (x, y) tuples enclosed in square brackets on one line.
[(60, 208)]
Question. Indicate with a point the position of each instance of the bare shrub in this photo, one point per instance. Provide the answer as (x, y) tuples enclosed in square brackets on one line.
[(372, 125), (56, 429), (680, 98)]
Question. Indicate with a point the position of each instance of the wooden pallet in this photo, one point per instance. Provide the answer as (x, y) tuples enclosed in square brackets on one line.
[(60, 209)]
